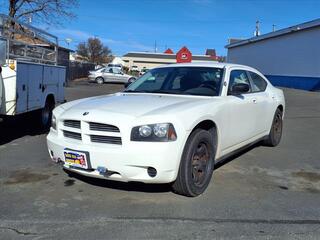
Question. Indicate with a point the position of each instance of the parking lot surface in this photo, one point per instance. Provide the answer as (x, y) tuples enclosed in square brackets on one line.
[(263, 193)]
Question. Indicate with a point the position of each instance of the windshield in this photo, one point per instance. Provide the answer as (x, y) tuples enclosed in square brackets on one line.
[(201, 81), (98, 69)]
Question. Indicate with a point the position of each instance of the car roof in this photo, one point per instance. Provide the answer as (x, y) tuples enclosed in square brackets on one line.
[(208, 64)]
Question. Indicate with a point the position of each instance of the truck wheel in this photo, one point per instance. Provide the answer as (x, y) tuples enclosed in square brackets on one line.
[(197, 164), (99, 80), (46, 115), (275, 134)]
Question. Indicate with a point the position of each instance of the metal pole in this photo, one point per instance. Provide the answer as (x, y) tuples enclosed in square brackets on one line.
[(257, 33)]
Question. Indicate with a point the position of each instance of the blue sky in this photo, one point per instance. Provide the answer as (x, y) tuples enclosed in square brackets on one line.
[(135, 25)]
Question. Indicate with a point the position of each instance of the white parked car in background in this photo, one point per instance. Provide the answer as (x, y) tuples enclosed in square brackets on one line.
[(134, 69), (172, 125), (143, 71), (110, 74)]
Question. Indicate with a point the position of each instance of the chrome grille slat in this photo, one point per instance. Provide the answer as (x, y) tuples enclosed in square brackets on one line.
[(105, 139), (72, 135), (93, 126), (103, 127), (72, 123)]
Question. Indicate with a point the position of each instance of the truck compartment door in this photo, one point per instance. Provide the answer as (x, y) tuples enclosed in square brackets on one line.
[(50, 82), (21, 87), (35, 73), (62, 79)]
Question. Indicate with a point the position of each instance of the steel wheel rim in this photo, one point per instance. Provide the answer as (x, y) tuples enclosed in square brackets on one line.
[(277, 126), (200, 163)]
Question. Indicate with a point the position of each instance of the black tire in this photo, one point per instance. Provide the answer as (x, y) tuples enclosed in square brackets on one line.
[(196, 169), (131, 80), (45, 114), (274, 137), (99, 80)]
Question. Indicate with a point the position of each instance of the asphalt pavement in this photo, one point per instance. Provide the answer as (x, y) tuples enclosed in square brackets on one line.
[(263, 193)]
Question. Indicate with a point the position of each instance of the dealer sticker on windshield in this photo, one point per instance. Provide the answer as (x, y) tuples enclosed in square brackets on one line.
[(76, 159)]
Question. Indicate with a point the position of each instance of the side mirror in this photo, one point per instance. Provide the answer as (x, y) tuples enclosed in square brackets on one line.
[(240, 88)]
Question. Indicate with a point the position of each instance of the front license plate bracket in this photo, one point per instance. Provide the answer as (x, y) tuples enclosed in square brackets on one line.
[(75, 152)]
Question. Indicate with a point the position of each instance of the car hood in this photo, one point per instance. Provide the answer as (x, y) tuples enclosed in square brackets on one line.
[(134, 104)]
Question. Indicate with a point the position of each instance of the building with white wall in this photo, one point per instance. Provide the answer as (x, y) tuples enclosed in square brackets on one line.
[(289, 57), (151, 60)]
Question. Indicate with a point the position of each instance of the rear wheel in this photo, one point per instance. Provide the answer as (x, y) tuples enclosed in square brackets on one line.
[(131, 80), (99, 80), (197, 164), (46, 114), (275, 134)]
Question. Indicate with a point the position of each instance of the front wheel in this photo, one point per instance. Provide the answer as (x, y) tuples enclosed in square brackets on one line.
[(275, 134), (197, 164), (99, 80)]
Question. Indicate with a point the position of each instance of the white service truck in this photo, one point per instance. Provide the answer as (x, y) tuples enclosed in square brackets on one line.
[(30, 79)]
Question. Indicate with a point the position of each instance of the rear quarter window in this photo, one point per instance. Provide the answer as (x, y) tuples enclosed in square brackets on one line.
[(258, 83)]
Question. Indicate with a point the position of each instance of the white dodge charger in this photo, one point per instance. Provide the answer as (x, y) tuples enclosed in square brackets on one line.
[(172, 125)]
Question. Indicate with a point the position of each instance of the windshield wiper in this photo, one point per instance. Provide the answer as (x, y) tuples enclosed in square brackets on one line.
[(163, 91), (134, 91), (154, 91)]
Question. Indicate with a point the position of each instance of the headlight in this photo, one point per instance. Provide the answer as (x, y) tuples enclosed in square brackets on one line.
[(160, 132), (54, 122)]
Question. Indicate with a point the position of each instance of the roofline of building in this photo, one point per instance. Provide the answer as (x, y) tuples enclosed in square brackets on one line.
[(284, 31), (151, 53), (163, 54)]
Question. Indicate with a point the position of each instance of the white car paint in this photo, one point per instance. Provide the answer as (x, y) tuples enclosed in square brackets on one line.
[(135, 68), (240, 120)]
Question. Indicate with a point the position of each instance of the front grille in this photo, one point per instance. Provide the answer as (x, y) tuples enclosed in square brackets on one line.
[(106, 139), (71, 123), (73, 135), (103, 127)]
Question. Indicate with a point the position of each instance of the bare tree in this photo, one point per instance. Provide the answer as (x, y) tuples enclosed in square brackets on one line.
[(82, 49), (94, 49), (45, 11)]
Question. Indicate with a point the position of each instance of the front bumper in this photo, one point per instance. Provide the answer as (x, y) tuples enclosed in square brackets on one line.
[(91, 78), (127, 162)]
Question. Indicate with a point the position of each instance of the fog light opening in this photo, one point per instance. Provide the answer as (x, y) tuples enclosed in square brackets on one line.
[(152, 172)]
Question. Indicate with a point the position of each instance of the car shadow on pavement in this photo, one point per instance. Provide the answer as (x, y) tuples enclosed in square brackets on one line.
[(18, 127), (124, 186)]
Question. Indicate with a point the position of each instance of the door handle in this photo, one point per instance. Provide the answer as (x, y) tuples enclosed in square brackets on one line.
[(254, 101)]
